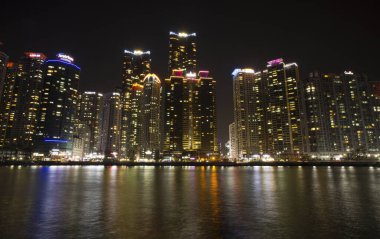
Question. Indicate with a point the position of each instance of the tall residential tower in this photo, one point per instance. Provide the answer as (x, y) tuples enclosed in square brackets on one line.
[(182, 52)]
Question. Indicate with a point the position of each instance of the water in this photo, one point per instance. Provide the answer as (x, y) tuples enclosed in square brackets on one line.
[(189, 202)]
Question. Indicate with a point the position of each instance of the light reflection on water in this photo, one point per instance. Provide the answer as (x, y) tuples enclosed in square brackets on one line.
[(189, 202)]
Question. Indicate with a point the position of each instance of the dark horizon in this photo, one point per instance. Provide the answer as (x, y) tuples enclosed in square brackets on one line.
[(325, 36)]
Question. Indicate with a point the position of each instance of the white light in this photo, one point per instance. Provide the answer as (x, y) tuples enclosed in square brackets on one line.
[(183, 34), (245, 70), (191, 75), (137, 52), (65, 57), (348, 73)]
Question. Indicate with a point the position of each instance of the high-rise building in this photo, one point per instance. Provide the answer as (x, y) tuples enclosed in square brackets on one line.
[(249, 91), (325, 111), (136, 66), (363, 133), (89, 113), (189, 116), (58, 107), (286, 123), (135, 118), (204, 132), (3, 68), (111, 124), (150, 132), (21, 102), (340, 114), (182, 52), (269, 112), (8, 105)]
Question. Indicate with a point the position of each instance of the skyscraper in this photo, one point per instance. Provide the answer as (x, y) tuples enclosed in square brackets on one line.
[(135, 118), (269, 112), (362, 133), (189, 116), (58, 107), (182, 52), (249, 91), (111, 124), (150, 132), (286, 124), (89, 113), (340, 113), (21, 103), (205, 115), (3, 68), (325, 110), (7, 105), (136, 66)]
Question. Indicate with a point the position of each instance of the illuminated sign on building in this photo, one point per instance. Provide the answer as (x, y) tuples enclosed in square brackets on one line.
[(35, 55), (275, 62), (65, 57), (137, 52), (348, 73)]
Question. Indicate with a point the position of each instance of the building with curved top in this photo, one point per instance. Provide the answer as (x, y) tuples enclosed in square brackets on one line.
[(58, 107), (150, 132)]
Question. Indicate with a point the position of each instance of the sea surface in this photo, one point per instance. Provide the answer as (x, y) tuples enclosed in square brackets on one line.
[(189, 202)]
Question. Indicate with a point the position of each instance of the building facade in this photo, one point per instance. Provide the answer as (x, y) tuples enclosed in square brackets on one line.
[(341, 114), (3, 67), (182, 52), (150, 132), (136, 66), (21, 103), (58, 108), (269, 112), (111, 125), (90, 105), (189, 116)]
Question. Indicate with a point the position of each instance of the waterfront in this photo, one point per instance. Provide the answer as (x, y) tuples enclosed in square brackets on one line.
[(189, 202)]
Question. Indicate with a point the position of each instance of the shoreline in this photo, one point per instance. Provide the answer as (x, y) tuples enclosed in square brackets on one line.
[(179, 164)]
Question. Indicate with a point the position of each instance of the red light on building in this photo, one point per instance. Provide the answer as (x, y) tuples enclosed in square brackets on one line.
[(10, 64), (136, 87), (178, 73), (36, 55), (204, 74)]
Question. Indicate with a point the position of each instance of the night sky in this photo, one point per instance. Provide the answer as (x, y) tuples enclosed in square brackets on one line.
[(330, 36)]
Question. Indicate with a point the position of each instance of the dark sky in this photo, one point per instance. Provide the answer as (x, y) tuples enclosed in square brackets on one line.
[(330, 36)]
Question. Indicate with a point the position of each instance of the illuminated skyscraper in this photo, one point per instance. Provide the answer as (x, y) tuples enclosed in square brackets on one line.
[(135, 67), (3, 68), (150, 132), (182, 52), (269, 112), (58, 107), (135, 118), (286, 119), (250, 97), (362, 132), (325, 111), (341, 114), (205, 135), (89, 113), (21, 102), (8, 105), (189, 117), (111, 125)]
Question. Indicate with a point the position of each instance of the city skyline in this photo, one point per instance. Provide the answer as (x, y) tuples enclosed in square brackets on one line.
[(328, 36)]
